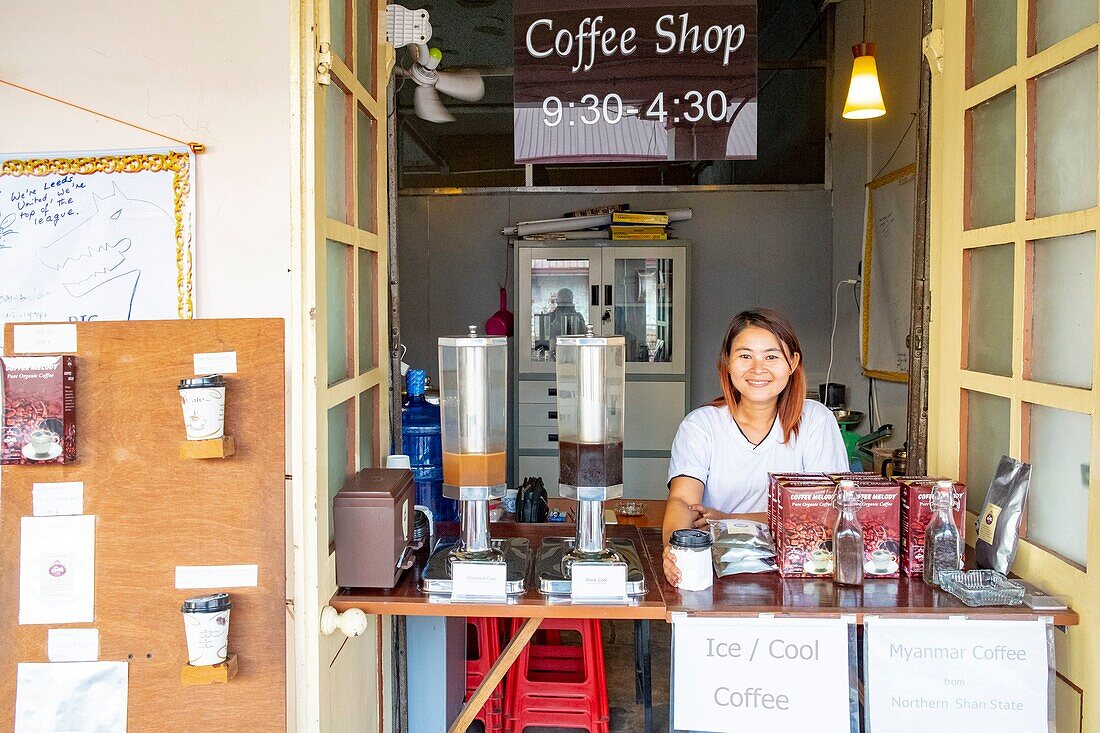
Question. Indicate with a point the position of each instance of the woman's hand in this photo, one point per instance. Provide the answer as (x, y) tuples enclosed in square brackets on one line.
[(705, 514), (683, 493), (672, 573)]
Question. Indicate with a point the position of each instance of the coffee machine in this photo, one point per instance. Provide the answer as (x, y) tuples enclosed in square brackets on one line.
[(591, 382), (473, 401)]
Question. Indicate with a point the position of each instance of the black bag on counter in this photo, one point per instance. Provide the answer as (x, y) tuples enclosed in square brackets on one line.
[(532, 503)]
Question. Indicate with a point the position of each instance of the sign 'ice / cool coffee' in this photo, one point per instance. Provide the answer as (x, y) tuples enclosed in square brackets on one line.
[(631, 80), (731, 675)]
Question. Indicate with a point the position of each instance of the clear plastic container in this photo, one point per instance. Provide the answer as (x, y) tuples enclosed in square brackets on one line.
[(473, 398), (982, 587), (591, 372)]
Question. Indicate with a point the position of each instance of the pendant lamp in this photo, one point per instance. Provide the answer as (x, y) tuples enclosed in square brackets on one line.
[(864, 94)]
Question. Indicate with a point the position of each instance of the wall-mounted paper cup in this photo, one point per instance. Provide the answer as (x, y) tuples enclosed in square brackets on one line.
[(203, 400), (206, 621)]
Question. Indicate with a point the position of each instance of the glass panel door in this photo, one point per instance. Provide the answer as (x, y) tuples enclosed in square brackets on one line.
[(993, 46), (559, 295), (1013, 253), (646, 306), (341, 415)]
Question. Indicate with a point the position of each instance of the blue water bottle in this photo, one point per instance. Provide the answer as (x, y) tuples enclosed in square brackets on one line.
[(422, 442)]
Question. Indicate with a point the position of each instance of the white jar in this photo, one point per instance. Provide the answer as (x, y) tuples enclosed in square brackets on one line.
[(691, 550)]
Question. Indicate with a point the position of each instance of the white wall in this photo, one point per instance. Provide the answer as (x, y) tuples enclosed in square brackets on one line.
[(217, 72), (860, 150), (211, 71), (751, 248)]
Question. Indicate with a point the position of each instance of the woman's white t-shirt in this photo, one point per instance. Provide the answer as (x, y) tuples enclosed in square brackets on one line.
[(710, 447)]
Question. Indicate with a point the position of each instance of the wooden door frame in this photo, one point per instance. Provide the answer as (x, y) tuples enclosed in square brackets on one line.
[(949, 241), (312, 580)]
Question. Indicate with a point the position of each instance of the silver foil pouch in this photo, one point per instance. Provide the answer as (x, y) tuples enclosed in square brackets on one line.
[(999, 520)]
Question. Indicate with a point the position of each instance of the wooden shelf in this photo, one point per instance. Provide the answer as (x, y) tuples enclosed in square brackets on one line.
[(214, 674), (216, 448)]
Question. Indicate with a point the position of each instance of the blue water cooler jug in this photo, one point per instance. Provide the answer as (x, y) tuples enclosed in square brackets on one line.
[(422, 442)]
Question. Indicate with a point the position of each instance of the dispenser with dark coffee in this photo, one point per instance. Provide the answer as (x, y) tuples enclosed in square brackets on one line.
[(591, 381), (473, 400)]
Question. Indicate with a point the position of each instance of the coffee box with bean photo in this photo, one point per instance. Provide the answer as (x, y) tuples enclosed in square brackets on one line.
[(803, 510), (916, 492), (804, 515), (39, 404), (774, 479)]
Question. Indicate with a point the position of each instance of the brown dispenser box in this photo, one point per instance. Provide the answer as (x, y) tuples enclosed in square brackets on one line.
[(373, 518)]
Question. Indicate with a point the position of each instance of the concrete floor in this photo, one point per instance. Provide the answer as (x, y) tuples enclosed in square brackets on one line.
[(626, 715)]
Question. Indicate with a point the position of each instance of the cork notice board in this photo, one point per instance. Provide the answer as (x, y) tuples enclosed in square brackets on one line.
[(156, 511)]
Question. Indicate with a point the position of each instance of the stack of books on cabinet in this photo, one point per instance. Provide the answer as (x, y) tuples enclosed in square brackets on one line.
[(615, 222)]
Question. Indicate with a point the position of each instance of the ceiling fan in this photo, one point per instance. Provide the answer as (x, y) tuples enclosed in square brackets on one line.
[(411, 28)]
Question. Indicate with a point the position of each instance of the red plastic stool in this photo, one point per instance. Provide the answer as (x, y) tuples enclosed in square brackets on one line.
[(559, 685), (483, 643)]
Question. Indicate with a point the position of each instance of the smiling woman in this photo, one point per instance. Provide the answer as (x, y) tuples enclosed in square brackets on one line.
[(761, 424)]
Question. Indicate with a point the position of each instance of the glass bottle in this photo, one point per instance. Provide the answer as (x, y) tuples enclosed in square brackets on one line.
[(847, 537), (943, 543)]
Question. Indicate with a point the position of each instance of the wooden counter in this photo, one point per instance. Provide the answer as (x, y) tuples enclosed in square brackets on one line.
[(753, 594), (654, 510), (735, 595), (406, 598)]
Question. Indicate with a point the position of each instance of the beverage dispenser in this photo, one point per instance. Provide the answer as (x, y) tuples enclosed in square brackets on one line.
[(473, 399), (591, 386)]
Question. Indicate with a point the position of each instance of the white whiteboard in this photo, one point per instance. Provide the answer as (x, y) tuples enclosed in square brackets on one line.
[(96, 236), (888, 275)]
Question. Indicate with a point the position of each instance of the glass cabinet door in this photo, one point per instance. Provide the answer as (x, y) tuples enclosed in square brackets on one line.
[(558, 296), (644, 300)]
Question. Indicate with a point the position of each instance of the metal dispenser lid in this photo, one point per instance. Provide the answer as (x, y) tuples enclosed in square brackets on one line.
[(591, 339), (472, 339)]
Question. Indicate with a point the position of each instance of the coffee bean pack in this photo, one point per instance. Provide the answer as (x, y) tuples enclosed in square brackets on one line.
[(39, 403), (802, 512)]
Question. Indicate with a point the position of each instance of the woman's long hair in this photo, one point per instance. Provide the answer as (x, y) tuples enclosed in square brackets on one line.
[(789, 407)]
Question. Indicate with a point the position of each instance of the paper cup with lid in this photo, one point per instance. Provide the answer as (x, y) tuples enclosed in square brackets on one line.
[(206, 622), (203, 400), (691, 550)]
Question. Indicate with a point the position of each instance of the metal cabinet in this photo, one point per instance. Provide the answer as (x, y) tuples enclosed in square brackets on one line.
[(639, 290)]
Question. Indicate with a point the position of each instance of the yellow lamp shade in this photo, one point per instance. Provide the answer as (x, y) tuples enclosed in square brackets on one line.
[(864, 95)]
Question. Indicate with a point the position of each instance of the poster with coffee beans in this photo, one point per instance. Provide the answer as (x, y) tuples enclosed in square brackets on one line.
[(39, 403)]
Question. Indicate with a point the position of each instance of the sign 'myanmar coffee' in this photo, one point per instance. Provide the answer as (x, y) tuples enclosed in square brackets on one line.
[(631, 80)]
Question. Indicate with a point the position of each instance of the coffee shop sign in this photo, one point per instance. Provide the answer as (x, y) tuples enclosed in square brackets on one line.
[(592, 40)]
